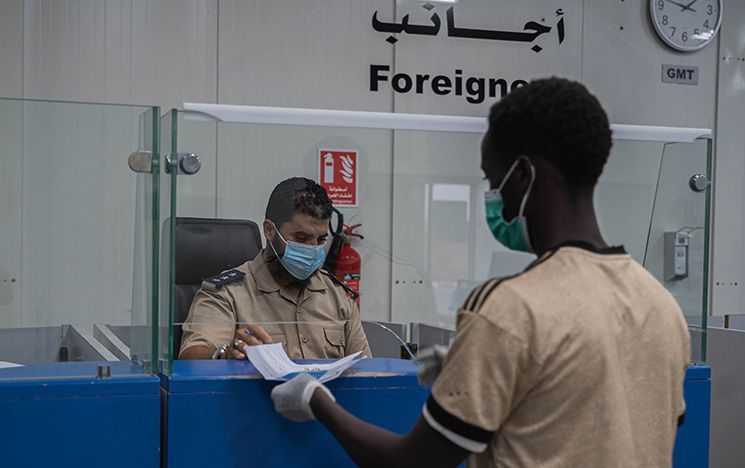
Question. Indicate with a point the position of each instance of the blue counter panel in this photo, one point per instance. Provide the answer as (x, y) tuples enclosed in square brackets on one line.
[(53, 415), (220, 414), (692, 441)]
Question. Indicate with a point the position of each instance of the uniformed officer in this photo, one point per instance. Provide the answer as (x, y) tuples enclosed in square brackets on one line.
[(282, 296), (579, 360)]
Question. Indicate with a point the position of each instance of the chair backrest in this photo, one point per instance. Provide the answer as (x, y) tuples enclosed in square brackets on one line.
[(205, 247)]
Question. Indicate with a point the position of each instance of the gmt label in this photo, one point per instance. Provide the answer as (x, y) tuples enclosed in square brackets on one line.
[(680, 74)]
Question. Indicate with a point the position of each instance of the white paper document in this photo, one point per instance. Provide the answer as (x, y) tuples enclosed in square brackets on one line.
[(273, 364), (8, 365)]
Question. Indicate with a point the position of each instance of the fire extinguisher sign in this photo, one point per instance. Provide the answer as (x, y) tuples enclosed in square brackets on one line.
[(338, 173)]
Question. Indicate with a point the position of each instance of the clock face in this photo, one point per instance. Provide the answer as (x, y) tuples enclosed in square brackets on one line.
[(686, 25)]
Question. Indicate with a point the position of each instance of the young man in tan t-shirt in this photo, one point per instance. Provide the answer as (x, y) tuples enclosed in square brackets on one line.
[(579, 360)]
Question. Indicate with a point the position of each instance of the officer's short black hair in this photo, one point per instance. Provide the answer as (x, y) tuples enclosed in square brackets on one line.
[(297, 195), (558, 119)]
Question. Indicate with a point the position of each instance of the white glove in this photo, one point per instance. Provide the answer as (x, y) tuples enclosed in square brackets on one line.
[(292, 398), (430, 364)]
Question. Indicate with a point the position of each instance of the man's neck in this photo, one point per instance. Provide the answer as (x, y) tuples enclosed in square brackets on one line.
[(284, 279), (575, 222)]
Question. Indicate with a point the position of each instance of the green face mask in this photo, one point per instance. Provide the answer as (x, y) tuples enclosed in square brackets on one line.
[(513, 235)]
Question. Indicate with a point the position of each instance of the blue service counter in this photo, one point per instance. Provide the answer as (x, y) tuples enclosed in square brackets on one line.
[(60, 415), (692, 441), (218, 413)]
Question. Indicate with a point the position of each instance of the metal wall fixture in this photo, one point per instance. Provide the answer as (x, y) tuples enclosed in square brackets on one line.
[(698, 183), (187, 163)]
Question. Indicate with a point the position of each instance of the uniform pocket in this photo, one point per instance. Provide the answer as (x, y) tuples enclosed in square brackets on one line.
[(335, 341), (335, 336), (279, 338)]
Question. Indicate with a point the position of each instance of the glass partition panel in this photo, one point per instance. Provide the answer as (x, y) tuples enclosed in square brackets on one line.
[(143, 343), (168, 142), (678, 242), (77, 264), (419, 202), (239, 166), (442, 248), (625, 194)]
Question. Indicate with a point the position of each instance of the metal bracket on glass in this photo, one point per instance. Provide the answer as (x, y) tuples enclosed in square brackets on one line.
[(187, 163), (141, 161), (103, 372), (698, 182)]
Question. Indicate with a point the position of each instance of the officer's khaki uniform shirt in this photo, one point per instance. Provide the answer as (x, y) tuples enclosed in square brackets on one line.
[(329, 319), (577, 362)]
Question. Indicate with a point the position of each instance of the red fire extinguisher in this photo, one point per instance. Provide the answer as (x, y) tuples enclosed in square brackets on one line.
[(349, 264)]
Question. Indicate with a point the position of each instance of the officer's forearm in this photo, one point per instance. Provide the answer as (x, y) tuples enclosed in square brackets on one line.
[(197, 352)]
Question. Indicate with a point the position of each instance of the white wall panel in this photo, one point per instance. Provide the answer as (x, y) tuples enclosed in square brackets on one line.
[(728, 293), (11, 213), (155, 52), (11, 48), (622, 62), (313, 53), (174, 57)]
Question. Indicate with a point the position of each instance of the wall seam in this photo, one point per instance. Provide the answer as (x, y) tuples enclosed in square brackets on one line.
[(393, 175), (20, 281), (217, 100)]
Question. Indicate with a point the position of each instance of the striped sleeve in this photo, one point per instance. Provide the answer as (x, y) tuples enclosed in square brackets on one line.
[(477, 296), (464, 435)]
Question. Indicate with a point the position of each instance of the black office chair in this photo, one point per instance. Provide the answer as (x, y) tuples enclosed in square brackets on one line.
[(204, 248)]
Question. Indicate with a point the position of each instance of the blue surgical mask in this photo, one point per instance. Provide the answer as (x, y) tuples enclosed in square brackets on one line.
[(513, 235), (300, 260)]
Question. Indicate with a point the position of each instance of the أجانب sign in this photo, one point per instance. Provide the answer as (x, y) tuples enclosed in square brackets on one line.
[(338, 173), (475, 88)]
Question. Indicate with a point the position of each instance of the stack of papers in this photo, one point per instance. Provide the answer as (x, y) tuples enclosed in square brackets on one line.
[(273, 364)]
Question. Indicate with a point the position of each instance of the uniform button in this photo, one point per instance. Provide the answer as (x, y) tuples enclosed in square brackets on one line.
[(305, 339), (300, 311), (342, 341)]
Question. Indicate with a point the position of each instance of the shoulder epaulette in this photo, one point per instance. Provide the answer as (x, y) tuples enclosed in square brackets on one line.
[(354, 294), (225, 277)]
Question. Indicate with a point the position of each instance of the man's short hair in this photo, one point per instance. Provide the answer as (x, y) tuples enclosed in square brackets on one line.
[(558, 119), (297, 195)]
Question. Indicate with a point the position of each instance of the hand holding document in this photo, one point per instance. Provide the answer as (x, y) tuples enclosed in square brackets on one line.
[(273, 364)]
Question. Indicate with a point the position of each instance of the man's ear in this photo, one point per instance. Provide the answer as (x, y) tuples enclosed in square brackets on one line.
[(524, 171), (269, 230)]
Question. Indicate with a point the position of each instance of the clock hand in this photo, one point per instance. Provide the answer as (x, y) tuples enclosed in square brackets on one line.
[(688, 7), (682, 5)]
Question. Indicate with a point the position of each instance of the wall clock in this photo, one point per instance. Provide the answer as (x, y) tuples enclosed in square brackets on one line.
[(686, 25)]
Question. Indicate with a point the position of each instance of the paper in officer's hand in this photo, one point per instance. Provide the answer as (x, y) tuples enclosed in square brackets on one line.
[(273, 364)]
